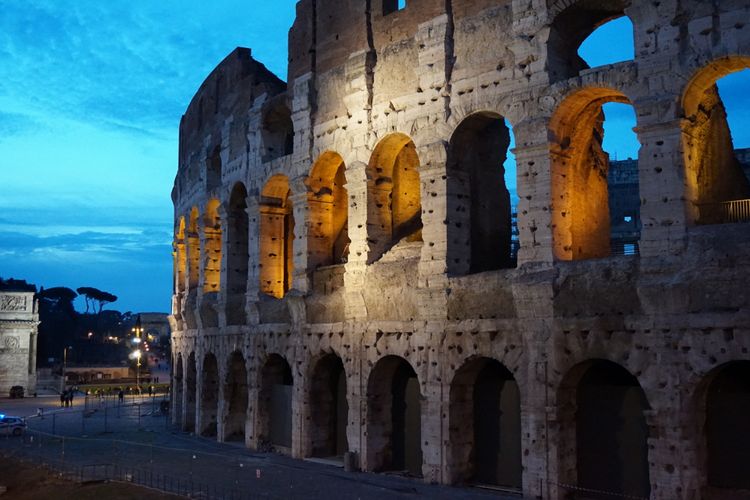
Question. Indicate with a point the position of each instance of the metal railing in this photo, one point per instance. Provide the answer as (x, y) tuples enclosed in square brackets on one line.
[(725, 212)]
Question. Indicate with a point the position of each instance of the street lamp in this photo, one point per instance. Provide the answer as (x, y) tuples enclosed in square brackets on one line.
[(137, 356)]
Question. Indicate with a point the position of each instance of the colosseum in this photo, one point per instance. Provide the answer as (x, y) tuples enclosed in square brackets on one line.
[(354, 281)]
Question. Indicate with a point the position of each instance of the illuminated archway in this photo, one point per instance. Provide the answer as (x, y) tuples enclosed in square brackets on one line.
[(180, 257), (193, 250), (276, 237), (212, 249), (717, 188), (394, 201), (581, 179), (328, 232)]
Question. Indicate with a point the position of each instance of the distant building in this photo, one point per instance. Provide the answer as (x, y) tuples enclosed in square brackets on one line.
[(19, 319), (624, 206), (156, 324)]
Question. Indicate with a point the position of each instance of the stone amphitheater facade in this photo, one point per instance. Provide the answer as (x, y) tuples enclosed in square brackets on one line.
[(346, 282)]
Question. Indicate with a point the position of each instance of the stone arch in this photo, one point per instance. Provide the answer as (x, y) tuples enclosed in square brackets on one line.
[(723, 403), (570, 23), (717, 189), (178, 390), (276, 237), (278, 131), (581, 215), (191, 376), (394, 210), (180, 257), (329, 409), (193, 250), (209, 396), (479, 201), (394, 417), (328, 234), (485, 425), (212, 250), (602, 441), (235, 397), (275, 402), (237, 255)]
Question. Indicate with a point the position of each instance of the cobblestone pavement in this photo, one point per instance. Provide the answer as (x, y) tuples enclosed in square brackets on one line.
[(99, 434)]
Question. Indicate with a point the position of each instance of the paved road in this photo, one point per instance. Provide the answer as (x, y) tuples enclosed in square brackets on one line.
[(139, 436)]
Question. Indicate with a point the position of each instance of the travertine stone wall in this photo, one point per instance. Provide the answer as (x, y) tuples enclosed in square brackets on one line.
[(19, 319), (395, 98)]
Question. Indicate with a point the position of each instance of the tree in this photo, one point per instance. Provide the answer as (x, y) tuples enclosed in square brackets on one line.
[(96, 296)]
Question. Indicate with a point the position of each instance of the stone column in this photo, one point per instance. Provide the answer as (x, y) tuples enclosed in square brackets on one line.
[(301, 213), (222, 411), (356, 265), (665, 210), (253, 250)]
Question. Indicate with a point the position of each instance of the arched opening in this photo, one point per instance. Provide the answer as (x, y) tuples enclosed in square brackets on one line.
[(726, 429), (213, 169), (480, 206), (235, 396), (329, 409), (180, 257), (238, 255), (277, 133), (485, 425), (595, 201), (717, 169), (603, 439), (394, 417), (394, 210), (212, 251), (193, 250), (328, 233), (276, 237), (190, 394), (209, 396), (275, 402), (611, 42), (573, 22), (178, 391)]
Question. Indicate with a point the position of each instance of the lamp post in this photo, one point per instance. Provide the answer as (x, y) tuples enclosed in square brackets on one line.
[(137, 332), (64, 367)]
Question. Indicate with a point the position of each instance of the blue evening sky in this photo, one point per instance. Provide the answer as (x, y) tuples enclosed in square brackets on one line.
[(91, 94)]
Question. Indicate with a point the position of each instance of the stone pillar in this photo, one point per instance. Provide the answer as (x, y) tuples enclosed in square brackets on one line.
[(199, 417), (434, 441), (534, 171), (222, 412), (301, 214), (356, 265), (665, 211), (253, 268)]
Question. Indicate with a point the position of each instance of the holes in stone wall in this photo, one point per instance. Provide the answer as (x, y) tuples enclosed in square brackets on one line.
[(276, 237), (236, 396), (328, 231), (391, 6), (480, 224), (275, 402), (329, 409), (603, 440), (485, 425), (718, 183), (180, 257), (394, 417), (193, 250), (584, 225), (726, 431), (190, 394), (209, 396), (213, 169), (394, 199), (571, 27)]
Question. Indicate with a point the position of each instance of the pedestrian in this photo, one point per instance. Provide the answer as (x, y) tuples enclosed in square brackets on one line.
[(62, 398), (72, 393), (40, 413), (150, 390), (121, 395)]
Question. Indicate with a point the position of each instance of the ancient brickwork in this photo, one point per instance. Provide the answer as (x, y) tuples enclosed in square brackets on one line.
[(343, 276), (19, 319)]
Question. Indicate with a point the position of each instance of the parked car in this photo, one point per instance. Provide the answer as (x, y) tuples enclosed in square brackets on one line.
[(12, 426), (16, 392)]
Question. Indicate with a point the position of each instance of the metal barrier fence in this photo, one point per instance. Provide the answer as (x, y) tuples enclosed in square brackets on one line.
[(725, 212), (142, 459)]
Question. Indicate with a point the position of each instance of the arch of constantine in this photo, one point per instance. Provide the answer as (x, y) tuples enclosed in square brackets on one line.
[(352, 274)]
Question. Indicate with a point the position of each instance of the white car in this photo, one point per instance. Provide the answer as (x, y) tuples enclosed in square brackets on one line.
[(12, 426)]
